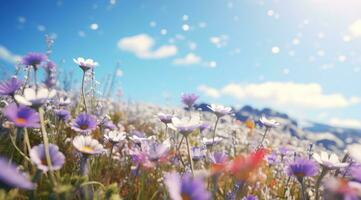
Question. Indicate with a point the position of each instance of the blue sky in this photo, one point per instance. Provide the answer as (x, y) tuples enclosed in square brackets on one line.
[(300, 57)]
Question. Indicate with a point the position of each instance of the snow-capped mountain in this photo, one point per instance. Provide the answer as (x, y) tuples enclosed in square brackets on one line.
[(329, 136)]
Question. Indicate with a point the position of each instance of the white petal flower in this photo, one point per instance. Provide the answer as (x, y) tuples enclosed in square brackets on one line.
[(354, 151), (329, 161), (185, 126), (35, 98), (87, 145), (220, 110), (115, 136), (85, 64), (209, 141), (269, 123)]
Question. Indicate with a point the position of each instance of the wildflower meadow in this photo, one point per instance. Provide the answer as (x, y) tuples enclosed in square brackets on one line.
[(72, 135)]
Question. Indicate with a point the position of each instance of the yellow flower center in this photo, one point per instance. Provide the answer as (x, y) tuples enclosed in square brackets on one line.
[(185, 196), (83, 127), (20, 120), (87, 149)]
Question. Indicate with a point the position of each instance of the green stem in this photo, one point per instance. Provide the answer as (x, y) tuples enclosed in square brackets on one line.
[(189, 155), (35, 79), (318, 183), (17, 148), (46, 145), (263, 137), (26, 138), (83, 94), (110, 154), (303, 190), (214, 132)]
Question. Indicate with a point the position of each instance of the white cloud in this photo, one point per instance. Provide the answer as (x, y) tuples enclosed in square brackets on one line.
[(355, 28), (189, 59), (219, 41), (346, 123), (142, 46), (283, 94), (214, 93), (8, 56)]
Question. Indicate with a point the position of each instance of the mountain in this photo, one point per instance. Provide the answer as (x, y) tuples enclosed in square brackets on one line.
[(330, 137)]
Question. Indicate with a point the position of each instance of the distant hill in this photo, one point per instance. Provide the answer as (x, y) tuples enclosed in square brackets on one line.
[(322, 134)]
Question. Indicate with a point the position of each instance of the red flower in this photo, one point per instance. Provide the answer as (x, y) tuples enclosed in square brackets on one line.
[(242, 166)]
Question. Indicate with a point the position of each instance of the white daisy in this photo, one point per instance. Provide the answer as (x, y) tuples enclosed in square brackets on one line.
[(85, 64), (87, 145), (329, 161), (35, 98)]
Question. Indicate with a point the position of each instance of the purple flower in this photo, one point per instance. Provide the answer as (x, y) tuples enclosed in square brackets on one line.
[(283, 150), (84, 123), (62, 114), (197, 153), (272, 158), (10, 86), (204, 126), (50, 69), (301, 168), (34, 59), (218, 157), (150, 153), (107, 124), (10, 177), (250, 197), (336, 189), (165, 118), (186, 187), (356, 173), (37, 155), (22, 116), (189, 99)]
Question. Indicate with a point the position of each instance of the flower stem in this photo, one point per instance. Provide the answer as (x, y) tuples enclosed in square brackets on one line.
[(263, 137), (35, 78), (17, 149), (46, 145), (189, 154), (110, 154), (214, 132), (344, 159), (303, 190), (26, 139), (318, 183), (82, 93), (84, 165)]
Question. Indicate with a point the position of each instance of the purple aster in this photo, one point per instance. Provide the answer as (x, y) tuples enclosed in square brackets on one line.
[(10, 86), (34, 59), (22, 116), (186, 187), (218, 157), (189, 99), (197, 153), (107, 124), (10, 177), (37, 155), (355, 172), (204, 126), (283, 150), (301, 168), (84, 123), (250, 197), (50, 69), (272, 158), (62, 114), (165, 118)]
